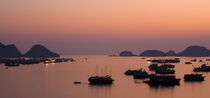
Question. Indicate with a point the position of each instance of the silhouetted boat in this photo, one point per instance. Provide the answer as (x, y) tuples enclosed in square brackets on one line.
[(162, 80), (11, 64), (72, 60), (194, 60), (132, 72), (101, 79), (166, 66), (107, 79), (194, 77), (77, 82), (141, 74), (176, 60), (153, 67), (164, 71), (207, 59), (203, 68), (188, 63)]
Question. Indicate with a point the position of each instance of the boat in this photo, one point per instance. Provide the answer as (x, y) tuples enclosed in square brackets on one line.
[(140, 75), (12, 64), (176, 60), (164, 71), (207, 59), (131, 72), (77, 82), (194, 77), (188, 63), (101, 79), (166, 66), (163, 80), (203, 68), (194, 60), (153, 67)]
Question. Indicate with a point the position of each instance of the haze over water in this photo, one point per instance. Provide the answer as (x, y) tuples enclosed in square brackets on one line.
[(83, 28), (105, 26), (56, 80)]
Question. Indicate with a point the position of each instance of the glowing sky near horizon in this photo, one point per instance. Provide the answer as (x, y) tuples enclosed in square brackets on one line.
[(105, 26)]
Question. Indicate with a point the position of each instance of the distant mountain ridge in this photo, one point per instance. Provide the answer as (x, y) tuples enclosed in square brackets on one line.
[(127, 53), (191, 51), (195, 51), (10, 51), (40, 51)]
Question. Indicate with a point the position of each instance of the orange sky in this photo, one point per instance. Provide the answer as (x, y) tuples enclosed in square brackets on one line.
[(101, 18)]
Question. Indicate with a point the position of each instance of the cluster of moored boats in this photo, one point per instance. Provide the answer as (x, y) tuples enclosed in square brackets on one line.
[(195, 60), (164, 74), (176, 60), (14, 62)]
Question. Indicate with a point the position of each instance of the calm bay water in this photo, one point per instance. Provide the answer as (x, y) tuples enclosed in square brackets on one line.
[(56, 80)]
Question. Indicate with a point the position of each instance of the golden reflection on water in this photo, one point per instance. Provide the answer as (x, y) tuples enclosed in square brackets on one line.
[(56, 80)]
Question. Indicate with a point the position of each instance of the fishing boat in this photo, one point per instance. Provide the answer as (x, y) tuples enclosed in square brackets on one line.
[(163, 80), (188, 63), (166, 66), (77, 82), (103, 79), (142, 74), (132, 72), (193, 60), (153, 67), (176, 60), (194, 77), (11, 64), (164, 71), (203, 68)]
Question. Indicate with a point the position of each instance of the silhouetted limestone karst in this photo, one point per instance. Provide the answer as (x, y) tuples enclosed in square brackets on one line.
[(1, 45), (127, 53), (170, 53), (195, 51), (152, 53), (40, 51), (9, 51)]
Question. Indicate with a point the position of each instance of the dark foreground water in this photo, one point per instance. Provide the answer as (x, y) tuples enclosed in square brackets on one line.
[(56, 80)]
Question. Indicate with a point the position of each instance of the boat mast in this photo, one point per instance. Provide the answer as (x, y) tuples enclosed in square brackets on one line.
[(97, 69), (110, 72), (106, 70), (101, 72)]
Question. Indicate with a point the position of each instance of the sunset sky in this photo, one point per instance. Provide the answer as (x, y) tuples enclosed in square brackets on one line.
[(105, 26)]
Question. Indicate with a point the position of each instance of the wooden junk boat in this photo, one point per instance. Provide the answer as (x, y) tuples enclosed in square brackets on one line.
[(103, 79)]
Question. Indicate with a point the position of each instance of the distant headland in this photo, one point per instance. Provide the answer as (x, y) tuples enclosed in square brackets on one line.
[(191, 51), (37, 51)]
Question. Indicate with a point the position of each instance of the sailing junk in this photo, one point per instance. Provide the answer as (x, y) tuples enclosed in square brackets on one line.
[(107, 79)]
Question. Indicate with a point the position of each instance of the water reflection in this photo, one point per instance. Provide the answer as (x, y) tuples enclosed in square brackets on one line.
[(100, 91)]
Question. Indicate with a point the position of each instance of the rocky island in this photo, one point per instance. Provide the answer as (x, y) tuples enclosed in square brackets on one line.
[(38, 51)]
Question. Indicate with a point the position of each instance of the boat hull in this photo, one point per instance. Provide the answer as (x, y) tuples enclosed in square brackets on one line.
[(163, 83)]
